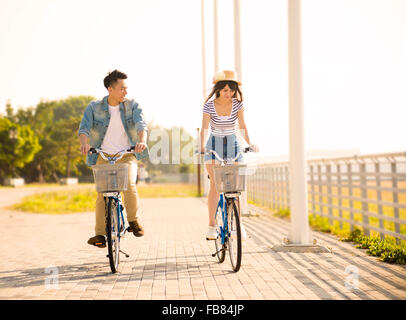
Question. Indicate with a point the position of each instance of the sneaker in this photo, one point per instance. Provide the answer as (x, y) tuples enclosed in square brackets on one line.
[(212, 233), (135, 228), (98, 241)]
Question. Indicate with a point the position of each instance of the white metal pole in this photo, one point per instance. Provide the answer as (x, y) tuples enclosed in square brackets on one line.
[(215, 18), (237, 63), (203, 34), (237, 39), (204, 86), (300, 231)]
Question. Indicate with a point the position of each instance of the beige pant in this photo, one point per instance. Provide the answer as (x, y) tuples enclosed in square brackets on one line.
[(130, 196)]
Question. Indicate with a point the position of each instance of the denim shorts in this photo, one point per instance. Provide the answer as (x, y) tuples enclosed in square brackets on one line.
[(226, 147)]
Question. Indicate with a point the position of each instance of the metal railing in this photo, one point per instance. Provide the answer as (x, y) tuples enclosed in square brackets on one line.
[(365, 191)]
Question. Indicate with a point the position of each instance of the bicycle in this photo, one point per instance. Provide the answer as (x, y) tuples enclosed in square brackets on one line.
[(111, 179), (230, 182)]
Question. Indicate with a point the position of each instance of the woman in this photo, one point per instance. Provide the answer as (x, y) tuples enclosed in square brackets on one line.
[(222, 114)]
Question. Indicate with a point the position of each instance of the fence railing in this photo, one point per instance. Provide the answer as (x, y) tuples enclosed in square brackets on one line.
[(365, 191)]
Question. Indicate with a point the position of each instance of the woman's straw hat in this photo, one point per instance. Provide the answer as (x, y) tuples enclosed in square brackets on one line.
[(225, 75)]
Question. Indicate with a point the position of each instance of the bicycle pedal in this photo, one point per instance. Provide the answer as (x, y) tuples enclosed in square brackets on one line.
[(100, 245)]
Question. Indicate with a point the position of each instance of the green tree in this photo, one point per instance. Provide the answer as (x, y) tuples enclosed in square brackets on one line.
[(18, 146), (67, 143), (56, 124)]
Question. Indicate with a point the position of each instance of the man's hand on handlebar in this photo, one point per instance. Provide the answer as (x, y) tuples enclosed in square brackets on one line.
[(140, 147), (84, 149)]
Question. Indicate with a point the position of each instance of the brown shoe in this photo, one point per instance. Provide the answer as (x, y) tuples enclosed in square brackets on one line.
[(135, 228), (98, 241)]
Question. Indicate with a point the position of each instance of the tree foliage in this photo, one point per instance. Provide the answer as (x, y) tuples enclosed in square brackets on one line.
[(18, 146), (55, 124), (47, 147)]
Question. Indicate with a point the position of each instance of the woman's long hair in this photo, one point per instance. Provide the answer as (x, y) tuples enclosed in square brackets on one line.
[(220, 86)]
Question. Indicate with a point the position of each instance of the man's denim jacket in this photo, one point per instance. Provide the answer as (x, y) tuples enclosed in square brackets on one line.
[(96, 119)]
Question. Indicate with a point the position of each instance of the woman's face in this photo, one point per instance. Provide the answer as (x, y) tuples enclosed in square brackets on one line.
[(226, 93)]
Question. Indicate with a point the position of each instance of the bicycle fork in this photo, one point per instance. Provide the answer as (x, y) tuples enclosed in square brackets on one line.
[(223, 229), (121, 228)]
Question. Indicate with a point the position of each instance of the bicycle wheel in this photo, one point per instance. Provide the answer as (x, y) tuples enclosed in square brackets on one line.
[(234, 236), (113, 242), (220, 248)]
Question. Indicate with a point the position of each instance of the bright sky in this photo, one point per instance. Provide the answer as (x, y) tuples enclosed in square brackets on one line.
[(354, 64)]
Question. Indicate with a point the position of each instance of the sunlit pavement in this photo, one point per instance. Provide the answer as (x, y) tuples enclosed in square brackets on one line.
[(47, 257)]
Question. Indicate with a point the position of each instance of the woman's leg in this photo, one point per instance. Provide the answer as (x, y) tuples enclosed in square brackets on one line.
[(213, 196)]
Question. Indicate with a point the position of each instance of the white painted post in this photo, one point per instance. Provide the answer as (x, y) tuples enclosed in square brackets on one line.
[(237, 63), (300, 231), (237, 39), (216, 55), (203, 34), (203, 176)]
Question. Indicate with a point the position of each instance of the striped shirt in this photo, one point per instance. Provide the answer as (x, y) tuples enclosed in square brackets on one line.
[(222, 125)]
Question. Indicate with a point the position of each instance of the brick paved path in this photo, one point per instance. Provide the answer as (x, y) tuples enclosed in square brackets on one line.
[(47, 257)]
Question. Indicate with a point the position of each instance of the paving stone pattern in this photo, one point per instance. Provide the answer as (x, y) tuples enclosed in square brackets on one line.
[(47, 257)]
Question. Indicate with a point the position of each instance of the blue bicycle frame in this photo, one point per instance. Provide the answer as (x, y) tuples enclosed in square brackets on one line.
[(120, 216), (222, 205)]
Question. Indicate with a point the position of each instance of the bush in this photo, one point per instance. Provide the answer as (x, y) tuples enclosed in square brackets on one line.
[(385, 249), (397, 255)]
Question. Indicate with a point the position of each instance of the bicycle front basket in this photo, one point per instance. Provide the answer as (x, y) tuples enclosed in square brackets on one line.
[(230, 178), (110, 177)]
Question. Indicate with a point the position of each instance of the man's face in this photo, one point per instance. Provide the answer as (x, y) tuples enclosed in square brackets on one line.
[(118, 91)]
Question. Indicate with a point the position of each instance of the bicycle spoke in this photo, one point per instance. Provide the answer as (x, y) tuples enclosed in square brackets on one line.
[(220, 251)]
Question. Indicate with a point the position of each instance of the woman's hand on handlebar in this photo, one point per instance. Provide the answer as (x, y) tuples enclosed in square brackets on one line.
[(254, 148)]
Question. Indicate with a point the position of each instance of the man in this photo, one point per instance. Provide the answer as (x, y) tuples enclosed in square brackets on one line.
[(114, 124)]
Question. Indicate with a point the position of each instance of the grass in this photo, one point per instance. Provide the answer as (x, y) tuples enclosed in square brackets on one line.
[(58, 202), (83, 200)]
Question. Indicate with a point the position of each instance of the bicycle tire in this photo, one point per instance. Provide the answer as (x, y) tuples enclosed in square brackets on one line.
[(234, 238), (113, 242), (220, 248)]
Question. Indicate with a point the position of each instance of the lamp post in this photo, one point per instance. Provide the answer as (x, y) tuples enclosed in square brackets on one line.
[(215, 18), (300, 230)]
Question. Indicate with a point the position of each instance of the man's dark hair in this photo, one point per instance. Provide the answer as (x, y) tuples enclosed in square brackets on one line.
[(111, 79)]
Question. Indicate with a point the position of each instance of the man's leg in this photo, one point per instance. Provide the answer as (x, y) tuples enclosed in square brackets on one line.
[(100, 228), (130, 196)]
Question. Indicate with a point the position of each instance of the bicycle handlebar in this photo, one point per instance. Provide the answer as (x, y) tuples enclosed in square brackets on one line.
[(119, 154), (245, 150), (98, 150)]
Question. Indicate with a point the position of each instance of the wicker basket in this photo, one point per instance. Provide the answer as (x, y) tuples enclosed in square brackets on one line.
[(110, 177), (230, 178)]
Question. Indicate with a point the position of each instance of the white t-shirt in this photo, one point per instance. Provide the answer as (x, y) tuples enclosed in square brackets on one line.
[(116, 138)]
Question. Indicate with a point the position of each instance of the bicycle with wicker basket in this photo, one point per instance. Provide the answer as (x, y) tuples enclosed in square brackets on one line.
[(230, 180), (111, 179)]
